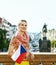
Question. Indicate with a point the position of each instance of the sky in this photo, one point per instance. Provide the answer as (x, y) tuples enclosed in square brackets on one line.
[(36, 12)]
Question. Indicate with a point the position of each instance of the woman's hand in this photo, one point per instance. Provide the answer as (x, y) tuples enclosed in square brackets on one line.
[(28, 55), (32, 56)]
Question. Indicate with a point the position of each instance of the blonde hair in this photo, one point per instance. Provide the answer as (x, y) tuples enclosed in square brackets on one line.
[(22, 21)]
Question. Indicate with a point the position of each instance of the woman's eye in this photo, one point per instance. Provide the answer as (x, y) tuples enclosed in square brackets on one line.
[(22, 25), (25, 25)]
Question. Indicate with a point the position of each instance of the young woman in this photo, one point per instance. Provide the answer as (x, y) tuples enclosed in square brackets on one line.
[(21, 38)]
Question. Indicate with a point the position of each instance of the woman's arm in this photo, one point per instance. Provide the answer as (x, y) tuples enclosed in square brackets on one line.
[(14, 44)]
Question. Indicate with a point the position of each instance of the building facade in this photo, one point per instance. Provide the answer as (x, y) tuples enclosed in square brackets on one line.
[(7, 30)]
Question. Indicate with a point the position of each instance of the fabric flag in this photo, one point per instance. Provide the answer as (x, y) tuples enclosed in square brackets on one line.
[(19, 54)]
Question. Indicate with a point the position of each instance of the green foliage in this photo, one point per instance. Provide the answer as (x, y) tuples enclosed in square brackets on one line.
[(53, 43), (4, 43)]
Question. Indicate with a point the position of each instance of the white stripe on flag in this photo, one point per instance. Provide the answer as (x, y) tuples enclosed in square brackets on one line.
[(16, 54)]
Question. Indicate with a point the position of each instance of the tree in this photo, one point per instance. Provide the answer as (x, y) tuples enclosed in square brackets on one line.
[(3, 42)]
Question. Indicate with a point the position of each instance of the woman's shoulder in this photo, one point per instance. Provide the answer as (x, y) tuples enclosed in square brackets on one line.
[(16, 33)]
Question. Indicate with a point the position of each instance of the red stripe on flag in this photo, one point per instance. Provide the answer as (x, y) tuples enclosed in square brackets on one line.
[(20, 58)]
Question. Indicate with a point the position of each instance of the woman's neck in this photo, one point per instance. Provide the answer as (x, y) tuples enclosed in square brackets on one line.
[(21, 32)]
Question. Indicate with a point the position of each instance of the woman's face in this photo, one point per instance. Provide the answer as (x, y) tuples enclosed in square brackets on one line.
[(22, 26)]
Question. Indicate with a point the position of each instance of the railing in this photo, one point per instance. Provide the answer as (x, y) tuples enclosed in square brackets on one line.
[(5, 59), (44, 58)]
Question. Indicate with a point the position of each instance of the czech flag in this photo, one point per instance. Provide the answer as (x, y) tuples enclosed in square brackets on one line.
[(19, 54)]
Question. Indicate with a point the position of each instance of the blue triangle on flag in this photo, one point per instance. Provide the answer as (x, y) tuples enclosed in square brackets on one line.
[(22, 50)]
